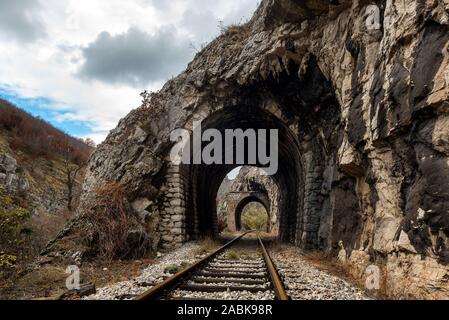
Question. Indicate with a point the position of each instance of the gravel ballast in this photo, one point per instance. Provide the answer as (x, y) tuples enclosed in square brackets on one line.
[(303, 281), (150, 276)]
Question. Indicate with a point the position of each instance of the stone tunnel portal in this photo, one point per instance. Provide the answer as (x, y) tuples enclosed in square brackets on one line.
[(267, 105), (203, 181)]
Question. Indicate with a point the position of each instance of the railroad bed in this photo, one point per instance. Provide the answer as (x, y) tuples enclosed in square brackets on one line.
[(225, 275)]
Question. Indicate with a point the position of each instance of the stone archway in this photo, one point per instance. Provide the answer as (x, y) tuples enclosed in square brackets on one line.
[(237, 201), (202, 182)]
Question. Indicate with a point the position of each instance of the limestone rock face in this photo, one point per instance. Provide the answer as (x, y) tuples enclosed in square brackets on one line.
[(10, 179), (37, 188), (360, 95)]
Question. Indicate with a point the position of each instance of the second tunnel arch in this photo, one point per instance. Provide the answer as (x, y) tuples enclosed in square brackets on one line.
[(248, 185), (245, 200)]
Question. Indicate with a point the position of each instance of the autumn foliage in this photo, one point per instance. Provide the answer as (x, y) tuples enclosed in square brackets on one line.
[(38, 138), (110, 221)]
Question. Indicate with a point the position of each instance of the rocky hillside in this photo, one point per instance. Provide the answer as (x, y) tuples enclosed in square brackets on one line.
[(36, 161), (36, 158)]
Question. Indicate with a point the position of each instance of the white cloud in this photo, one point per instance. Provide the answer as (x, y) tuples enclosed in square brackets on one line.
[(96, 137), (20, 20), (49, 66)]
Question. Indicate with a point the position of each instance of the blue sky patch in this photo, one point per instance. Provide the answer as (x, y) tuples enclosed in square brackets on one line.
[(47, 109)]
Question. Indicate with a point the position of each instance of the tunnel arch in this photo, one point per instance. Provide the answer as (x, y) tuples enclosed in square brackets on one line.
[(204, 180), (246, 201), (250, 183), (307, 115)]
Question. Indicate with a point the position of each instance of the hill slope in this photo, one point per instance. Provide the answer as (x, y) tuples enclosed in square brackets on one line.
[(36, 158), (41, 168)]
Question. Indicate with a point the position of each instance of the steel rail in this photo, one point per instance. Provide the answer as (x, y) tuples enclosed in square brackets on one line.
[(159, 290), (279, 289)]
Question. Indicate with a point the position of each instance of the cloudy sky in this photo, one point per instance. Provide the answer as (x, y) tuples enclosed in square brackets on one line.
[(81, 64)]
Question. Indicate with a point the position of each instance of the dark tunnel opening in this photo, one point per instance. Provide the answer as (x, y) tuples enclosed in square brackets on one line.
[(205, 180)]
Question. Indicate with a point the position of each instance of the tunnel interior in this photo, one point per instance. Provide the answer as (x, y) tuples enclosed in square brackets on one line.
[(205, 180), (246, 208)]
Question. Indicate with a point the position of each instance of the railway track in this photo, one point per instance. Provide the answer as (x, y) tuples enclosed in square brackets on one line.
[(218, 272)]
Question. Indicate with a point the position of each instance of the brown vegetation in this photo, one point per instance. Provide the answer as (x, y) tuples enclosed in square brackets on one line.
[(50, 280), (22, 236), (38, 138), (207, 246), (241, 29), (35, 138), (49, 159), (110, 222), (254, 217), (13, 233)]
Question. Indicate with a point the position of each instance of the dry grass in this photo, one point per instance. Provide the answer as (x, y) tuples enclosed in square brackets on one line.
[(175, 268), (111, 222), (239, 254), (116, 271), (37, 283), (232, 255), (207, 246), (49, 280), (235, 29), (46, 226)]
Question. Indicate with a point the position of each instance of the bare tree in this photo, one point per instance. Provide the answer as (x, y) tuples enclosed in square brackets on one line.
[(89, 142), (73, 164)]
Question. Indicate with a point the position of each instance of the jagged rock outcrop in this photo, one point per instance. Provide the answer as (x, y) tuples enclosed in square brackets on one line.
[(364, 148), (10, 180), (40, 183)]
